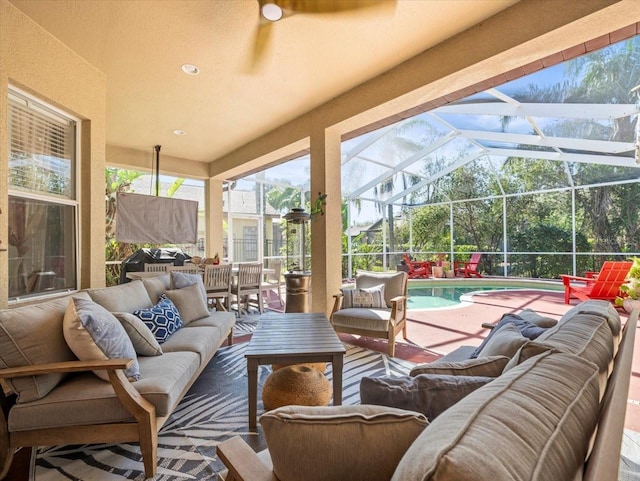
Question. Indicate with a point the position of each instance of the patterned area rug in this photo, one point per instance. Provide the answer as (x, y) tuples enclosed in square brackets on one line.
[(214, 409)]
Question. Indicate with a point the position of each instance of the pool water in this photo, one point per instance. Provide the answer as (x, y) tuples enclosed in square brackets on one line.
[(429, 296)]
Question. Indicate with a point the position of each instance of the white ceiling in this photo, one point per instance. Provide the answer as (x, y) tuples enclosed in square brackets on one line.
[(311, 58)]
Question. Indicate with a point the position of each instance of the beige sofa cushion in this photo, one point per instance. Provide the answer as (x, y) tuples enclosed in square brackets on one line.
[(586, 335), (533, 422), (156, 286), (362, 318), (31, 335), (355, 443), (83, 399), (491, 366), (123, 297)]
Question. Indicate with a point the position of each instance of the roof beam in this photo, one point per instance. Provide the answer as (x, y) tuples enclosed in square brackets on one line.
[(604, 146), (611, 160), (548, 110), (405, 163), (456, 165)]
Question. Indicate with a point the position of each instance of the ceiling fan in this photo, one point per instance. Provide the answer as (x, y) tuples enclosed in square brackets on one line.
[(272, 11)]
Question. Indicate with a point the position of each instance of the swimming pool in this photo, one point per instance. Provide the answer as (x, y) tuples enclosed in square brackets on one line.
[(446, 294)]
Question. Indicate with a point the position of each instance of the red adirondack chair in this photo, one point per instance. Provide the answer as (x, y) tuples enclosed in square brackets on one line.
[(417, 269), (469, 268), (604, 285)]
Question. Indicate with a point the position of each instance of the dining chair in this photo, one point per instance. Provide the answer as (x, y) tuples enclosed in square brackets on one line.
[(249, 281), (273, 281), (161, 267), (217, 283), (186, 269)]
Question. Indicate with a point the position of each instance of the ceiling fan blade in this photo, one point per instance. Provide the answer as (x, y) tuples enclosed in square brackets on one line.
[(260, 43), (331, 6)]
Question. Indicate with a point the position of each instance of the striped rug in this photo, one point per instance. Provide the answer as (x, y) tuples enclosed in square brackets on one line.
[(214, 409)]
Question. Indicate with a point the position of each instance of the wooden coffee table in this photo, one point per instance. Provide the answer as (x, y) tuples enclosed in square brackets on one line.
[(292, 338)]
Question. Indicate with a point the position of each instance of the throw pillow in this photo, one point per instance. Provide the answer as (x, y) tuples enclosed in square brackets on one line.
[(317, 443), (93, 333), (141, 337), (163, 319), (368, 297), (505, 342), (189, 303), (527, 328), (180, 280), (429, 394)]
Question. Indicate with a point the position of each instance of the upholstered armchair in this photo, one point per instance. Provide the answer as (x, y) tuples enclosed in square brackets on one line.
[(377, 307)]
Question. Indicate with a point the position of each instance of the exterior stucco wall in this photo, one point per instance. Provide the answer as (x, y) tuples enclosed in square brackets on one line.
[(34, 61)]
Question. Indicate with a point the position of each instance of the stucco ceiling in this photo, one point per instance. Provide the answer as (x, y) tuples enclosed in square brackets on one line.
[(311, 58)]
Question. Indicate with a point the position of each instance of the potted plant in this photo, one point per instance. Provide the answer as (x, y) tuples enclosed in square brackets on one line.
[(630, 298)]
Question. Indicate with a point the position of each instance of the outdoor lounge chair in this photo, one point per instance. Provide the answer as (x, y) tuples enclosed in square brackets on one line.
[(469, 268), (417, 269), (605, 285)]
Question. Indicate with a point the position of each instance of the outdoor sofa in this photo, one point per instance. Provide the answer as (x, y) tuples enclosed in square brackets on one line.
[(551, 409), (52, 398)]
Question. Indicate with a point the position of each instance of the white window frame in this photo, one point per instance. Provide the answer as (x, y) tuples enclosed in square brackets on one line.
[(77, 194)]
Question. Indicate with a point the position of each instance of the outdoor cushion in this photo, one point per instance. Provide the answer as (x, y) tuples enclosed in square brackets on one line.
[(201, 340), (533, 422), (89, 400), (362, 318), (491, 366), (189, 302), (141, 336), (156, 285), (504, 342), (325, 443), (393, 283), (429, 394), (31, 335), (123, 297)]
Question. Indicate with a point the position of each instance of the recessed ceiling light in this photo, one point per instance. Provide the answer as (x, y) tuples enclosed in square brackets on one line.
[(179, 132), (271, 12), (190, 69)]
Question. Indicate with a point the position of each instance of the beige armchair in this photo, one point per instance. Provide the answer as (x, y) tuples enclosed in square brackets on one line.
[(361, 311)]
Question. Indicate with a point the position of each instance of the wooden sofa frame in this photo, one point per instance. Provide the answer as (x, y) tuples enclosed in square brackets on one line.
[(603, 463), (144, 430)]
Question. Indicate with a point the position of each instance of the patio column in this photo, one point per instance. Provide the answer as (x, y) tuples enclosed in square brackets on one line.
[(214, 216), (326, 230)]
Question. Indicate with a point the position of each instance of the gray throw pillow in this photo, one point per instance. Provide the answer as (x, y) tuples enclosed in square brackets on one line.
[(429, 394), (141, 336), (93, 333)]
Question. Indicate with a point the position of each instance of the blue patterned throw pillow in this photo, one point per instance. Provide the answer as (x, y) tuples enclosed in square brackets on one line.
[(162, 319), (368, 297)]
